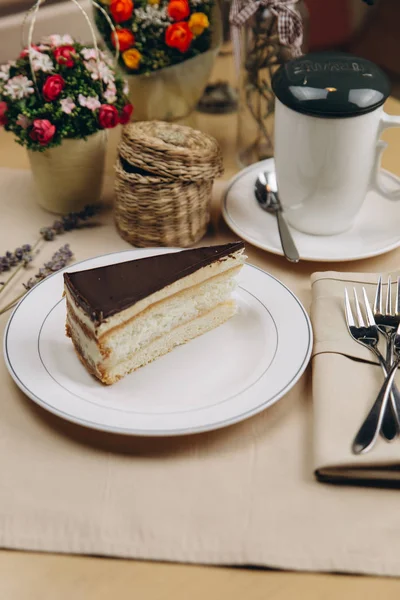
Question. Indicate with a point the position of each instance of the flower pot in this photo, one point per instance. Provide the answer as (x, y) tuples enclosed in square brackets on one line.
[(70, 176), (171, 93)]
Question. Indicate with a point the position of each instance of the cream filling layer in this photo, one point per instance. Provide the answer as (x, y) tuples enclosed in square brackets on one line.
[(202, 275), (155, 321)]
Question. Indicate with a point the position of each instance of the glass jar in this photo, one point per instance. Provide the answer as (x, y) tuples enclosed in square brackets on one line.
[(262, 54)]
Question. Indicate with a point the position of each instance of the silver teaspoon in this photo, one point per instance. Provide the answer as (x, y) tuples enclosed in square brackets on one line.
[(266, 192)]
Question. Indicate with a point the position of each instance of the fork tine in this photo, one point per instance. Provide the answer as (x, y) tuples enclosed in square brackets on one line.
[(348, 311), (397, 308), (389, 296), (358, 310), (368, 311), (378, 297)]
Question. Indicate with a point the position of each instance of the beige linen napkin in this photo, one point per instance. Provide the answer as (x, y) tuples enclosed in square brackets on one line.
[(346, 381)]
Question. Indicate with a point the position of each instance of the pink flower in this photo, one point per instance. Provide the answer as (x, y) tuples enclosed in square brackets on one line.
[(3, 110), (67, 105), (89, 53), (42, 131), (58, 40), (93, 103), (23, 121), (90, 102)]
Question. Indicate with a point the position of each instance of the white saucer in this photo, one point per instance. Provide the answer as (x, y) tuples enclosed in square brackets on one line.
[(376, 231), (220, 378)]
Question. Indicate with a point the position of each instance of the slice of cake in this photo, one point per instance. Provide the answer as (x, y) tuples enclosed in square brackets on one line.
[(123, 316)]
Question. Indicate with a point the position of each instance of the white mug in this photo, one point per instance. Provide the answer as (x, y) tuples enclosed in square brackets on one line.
[(326, 165)]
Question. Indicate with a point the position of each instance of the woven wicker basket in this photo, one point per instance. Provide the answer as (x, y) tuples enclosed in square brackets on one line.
[(164, 178)]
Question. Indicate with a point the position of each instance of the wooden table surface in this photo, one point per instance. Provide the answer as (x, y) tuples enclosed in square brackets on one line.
[(30, 576)]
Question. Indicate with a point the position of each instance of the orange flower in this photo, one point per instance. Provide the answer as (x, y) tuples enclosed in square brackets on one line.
[(178, 35), (178, 9), (132, 58), (198, 22), (121, 10), (125, 37)]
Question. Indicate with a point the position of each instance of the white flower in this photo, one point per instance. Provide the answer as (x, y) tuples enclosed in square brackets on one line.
[(41, 62), (93, 68), (90, 102), (89, 53), (111, 93), (5, 72), (58, 40), (23, 121), (152, 15), (106, 73), (93, 103), (107, 59), (125, 89), (67, 105), (99, 70), (18, 87)]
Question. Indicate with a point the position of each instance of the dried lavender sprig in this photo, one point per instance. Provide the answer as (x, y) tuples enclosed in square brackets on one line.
[(59, 260), (22, 256), (12, 259), (69, 222)]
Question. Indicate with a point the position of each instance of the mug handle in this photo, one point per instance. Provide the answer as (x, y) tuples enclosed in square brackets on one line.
[(386, 122)]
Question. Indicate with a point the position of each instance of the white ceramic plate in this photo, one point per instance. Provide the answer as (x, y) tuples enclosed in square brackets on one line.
[(376, 231), (220, 378)]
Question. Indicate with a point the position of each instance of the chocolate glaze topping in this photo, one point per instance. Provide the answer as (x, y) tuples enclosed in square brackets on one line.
[(105, 291)]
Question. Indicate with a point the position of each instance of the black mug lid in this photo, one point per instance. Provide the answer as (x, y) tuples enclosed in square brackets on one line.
[(331, 84)]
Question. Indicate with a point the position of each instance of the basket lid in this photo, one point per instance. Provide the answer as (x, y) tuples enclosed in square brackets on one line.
[(170, 150)]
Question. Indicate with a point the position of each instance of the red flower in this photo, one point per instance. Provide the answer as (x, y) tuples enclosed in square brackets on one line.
[(53, 86), (125, 37), (65, 55), (108, 116), (3, 110), (126, 114), (121, 10), (178, 35), (178, 9), (25, 51), (42, 131)]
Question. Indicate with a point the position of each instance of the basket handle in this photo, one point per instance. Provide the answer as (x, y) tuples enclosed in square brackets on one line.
[(33, 13)]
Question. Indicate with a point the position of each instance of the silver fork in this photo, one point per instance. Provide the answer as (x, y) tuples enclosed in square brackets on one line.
[(367, 432), (368, 336), (387, 321)]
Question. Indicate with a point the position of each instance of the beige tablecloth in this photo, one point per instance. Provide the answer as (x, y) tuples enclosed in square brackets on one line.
[(243, 495)]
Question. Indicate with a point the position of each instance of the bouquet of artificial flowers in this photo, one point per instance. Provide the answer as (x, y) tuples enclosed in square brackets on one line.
[(60, 89), (154, 34)]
